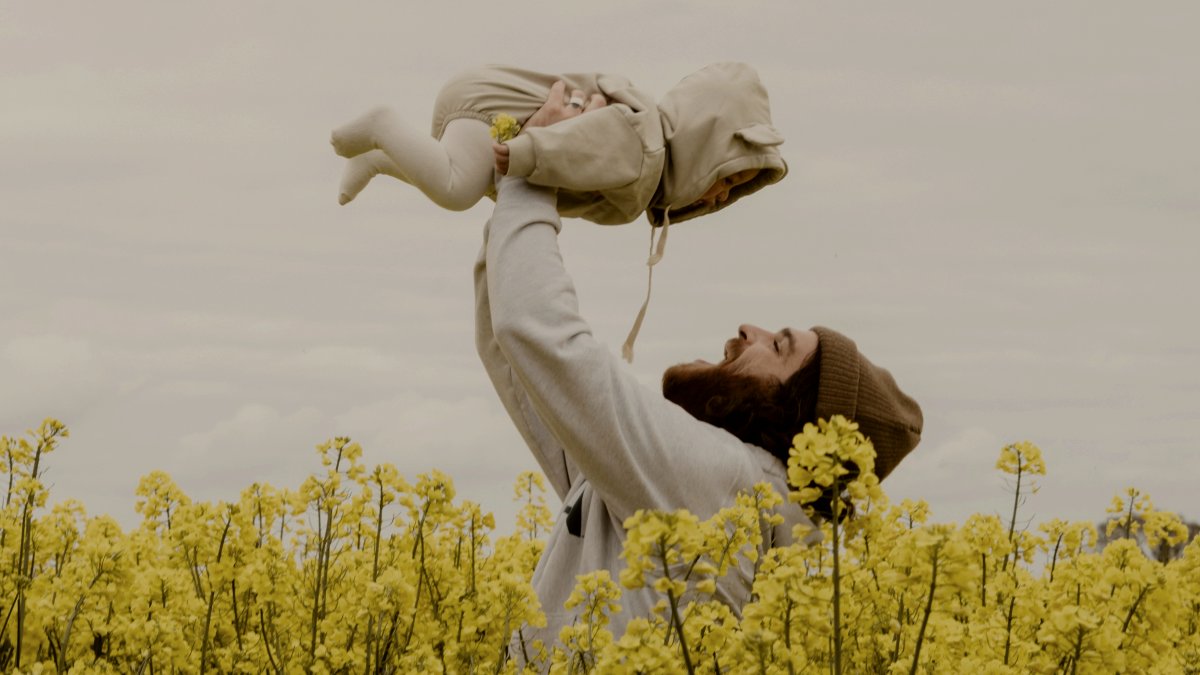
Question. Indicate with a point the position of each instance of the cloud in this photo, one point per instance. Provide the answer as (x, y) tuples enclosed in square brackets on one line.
[(470, 438), (47, 375), (953, 475), (257, 443), (415, 422), (47, 354)]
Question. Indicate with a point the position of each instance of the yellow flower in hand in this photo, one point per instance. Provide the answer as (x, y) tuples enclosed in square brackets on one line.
[(504, 127)]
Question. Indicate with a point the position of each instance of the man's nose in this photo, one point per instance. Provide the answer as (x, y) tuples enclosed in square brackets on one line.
[(750, 333)]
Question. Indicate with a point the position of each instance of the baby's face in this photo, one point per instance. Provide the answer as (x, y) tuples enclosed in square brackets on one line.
[(719, 192)]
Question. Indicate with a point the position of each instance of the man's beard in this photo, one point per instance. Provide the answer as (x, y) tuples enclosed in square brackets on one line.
[(710, 374), (741, 404)]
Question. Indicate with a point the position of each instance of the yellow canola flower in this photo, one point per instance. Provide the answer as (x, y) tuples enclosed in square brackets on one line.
[(504, 127), (1164, 529), (1022, 457), (361, 571), (833, 453)]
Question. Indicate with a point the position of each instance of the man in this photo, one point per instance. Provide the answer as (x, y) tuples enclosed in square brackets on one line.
[(610, 446)]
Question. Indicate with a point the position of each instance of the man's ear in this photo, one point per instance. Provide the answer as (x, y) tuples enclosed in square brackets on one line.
[(760, 134)]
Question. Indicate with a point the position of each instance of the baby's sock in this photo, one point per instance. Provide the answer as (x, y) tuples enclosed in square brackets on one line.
[(360, 135), (361, 169), (454, 172)]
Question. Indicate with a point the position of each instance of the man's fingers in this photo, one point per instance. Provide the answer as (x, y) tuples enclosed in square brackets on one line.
[(596, 102), (558, 92), (577, 101), (559, 106)]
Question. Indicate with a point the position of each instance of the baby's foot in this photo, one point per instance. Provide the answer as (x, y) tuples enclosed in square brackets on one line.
[(361, 169), (357, 137)]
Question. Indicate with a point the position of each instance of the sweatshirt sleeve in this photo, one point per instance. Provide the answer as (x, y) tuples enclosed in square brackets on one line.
[(545, 448), (637, 450), (601, 150)]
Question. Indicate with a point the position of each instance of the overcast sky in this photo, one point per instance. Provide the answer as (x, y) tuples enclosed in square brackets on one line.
[(1000, 204)]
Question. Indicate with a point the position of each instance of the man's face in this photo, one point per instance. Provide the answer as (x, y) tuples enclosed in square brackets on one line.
[(760, 353)]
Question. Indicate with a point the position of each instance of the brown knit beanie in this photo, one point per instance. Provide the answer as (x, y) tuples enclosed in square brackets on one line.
[(852, 386)]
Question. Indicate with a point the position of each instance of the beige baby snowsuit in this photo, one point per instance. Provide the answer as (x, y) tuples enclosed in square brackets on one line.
[(632, 156)]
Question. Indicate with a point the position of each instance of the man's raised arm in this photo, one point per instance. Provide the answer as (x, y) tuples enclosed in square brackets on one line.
[(545, 448), (637, 450)]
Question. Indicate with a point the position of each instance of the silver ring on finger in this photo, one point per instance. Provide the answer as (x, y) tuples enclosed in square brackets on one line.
[(576, 102)]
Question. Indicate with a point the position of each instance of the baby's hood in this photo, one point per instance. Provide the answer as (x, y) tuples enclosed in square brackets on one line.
[(716, 122)]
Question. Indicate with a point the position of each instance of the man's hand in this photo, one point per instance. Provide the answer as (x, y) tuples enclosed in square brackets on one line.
[(558, 107)]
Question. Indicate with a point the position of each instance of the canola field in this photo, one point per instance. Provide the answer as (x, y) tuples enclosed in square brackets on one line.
[(359, 570)]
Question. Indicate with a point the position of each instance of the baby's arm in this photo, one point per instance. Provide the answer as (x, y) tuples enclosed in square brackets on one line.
[(598, 151), (556, 109)]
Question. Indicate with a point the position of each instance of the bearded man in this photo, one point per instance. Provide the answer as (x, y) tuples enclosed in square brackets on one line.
[(609, 446)]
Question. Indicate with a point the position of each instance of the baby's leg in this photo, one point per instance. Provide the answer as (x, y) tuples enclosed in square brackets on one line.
[(361, 169), (359, 136), (458, 176), (454, 172)]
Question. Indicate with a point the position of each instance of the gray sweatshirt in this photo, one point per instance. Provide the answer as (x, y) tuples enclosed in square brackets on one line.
[(608, 445)]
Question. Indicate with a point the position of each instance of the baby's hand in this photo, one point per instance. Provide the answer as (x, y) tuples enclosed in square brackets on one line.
[(501, 152)]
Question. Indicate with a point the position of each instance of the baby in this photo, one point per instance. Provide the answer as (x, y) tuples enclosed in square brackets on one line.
[(708, 143)]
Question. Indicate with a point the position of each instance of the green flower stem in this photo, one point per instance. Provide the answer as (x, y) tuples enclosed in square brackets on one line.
[(1129, 517), (674, 602), (212, 596), (1054, 557), (1133, 609), (26, 552), (787, 634), (267, 641), (928, 611), (1012, 602), (1012, 524), (899, 622), (983, 582), (837, 582)]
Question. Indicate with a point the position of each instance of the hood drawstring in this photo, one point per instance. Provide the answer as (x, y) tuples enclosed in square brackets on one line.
[(656, 254)]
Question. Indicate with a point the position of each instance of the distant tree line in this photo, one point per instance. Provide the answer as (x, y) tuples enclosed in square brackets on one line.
[(1133, 527)]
